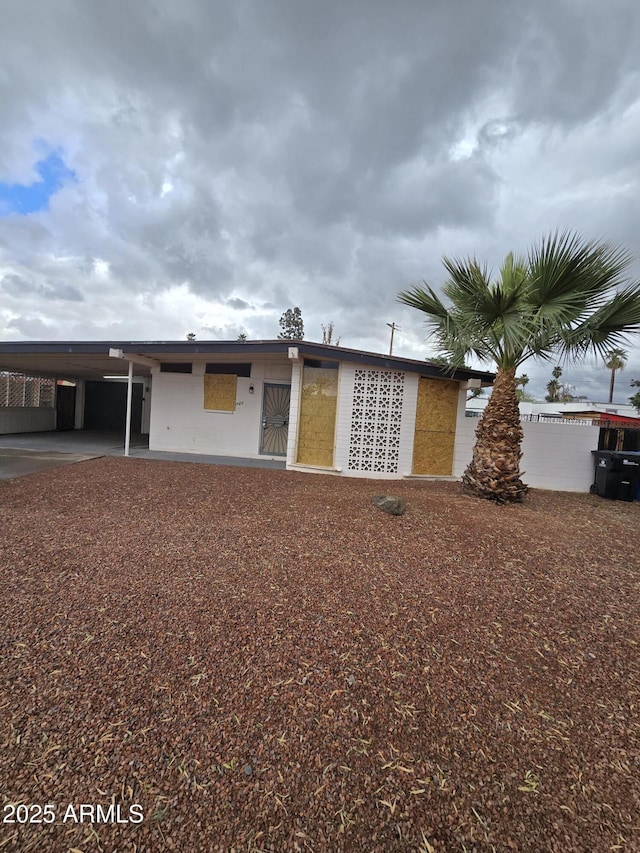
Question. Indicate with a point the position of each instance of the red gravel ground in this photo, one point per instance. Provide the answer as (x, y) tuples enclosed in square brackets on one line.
[(262, 660)]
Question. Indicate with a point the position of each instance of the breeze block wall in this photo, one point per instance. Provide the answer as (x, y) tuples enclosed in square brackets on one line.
[(375, 422)]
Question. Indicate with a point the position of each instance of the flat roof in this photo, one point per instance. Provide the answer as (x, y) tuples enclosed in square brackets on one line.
[(91, 360)]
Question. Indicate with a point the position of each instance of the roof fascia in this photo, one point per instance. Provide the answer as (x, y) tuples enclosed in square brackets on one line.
[(247, 348)]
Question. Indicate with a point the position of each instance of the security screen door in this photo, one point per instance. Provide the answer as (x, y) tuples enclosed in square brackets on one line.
[(275, 419)]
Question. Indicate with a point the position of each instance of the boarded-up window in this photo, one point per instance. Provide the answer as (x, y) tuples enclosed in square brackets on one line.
[(317, 423), (435, 427), (220, 392)]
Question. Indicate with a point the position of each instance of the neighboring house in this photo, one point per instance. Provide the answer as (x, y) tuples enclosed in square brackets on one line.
[(581, 409), (619, 425), (319, 407)]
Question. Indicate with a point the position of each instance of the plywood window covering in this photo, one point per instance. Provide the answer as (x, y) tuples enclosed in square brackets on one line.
[(436, 415), (220, 392), (376, 420), (317, 422)]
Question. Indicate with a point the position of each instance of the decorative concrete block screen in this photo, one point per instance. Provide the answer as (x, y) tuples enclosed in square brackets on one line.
[(220, 392), (376, 419)]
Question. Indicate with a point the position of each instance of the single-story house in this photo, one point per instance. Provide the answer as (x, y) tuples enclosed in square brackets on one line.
[(319, 407)]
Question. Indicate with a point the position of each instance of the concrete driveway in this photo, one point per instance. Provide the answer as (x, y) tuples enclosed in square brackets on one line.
[(29, 453), (18, 462)]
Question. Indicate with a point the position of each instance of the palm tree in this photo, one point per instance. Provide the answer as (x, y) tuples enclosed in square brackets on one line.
[(565, 299), (521, 389), (554, 386), (614, 360)]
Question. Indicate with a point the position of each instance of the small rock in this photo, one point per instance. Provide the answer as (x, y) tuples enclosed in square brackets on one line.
[(390, 504), (248, 770)]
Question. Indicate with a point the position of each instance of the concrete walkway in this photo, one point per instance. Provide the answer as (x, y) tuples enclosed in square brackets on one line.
[(241, 461), (29, 453)]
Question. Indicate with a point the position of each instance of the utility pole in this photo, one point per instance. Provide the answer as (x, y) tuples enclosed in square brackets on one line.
[(393, 328)]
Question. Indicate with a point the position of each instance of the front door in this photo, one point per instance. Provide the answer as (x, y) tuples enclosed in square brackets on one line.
[(65, 407), (275, 419)]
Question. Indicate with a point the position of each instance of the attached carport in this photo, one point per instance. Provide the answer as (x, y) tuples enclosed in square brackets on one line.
[(105, 390), (126, 363)]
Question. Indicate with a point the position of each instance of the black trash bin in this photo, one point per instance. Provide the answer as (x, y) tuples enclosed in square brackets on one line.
[(617, 474)]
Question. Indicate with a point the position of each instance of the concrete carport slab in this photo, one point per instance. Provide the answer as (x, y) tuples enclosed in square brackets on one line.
[(91, 442), (19, 462), (30, 453)]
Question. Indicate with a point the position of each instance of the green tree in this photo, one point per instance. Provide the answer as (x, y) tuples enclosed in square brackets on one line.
[(241, 337), (635, 401), (614, 360), (191, 336), (566, 298), (291, 325)]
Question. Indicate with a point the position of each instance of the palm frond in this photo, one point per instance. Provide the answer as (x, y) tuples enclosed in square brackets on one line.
[(455, 330), (569, 276), (468, 284), (425, 299), (606, 329)]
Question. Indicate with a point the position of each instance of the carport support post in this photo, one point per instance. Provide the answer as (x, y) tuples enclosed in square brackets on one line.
[(127, 428)]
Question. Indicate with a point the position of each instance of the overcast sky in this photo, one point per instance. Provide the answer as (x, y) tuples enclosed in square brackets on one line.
[(175, 166)]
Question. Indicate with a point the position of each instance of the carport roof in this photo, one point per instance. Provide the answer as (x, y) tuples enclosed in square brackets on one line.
[(91, 359)]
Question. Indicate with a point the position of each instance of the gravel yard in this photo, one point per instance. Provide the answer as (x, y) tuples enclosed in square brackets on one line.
[(244, 659)]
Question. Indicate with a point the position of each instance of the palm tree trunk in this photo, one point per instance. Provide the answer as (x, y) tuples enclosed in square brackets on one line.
[(494, 471), (612, 383)]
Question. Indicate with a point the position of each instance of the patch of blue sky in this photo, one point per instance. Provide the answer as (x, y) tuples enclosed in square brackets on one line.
[(32, 198)]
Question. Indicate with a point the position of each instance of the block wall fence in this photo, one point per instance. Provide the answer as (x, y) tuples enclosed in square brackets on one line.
[(555, 456)]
